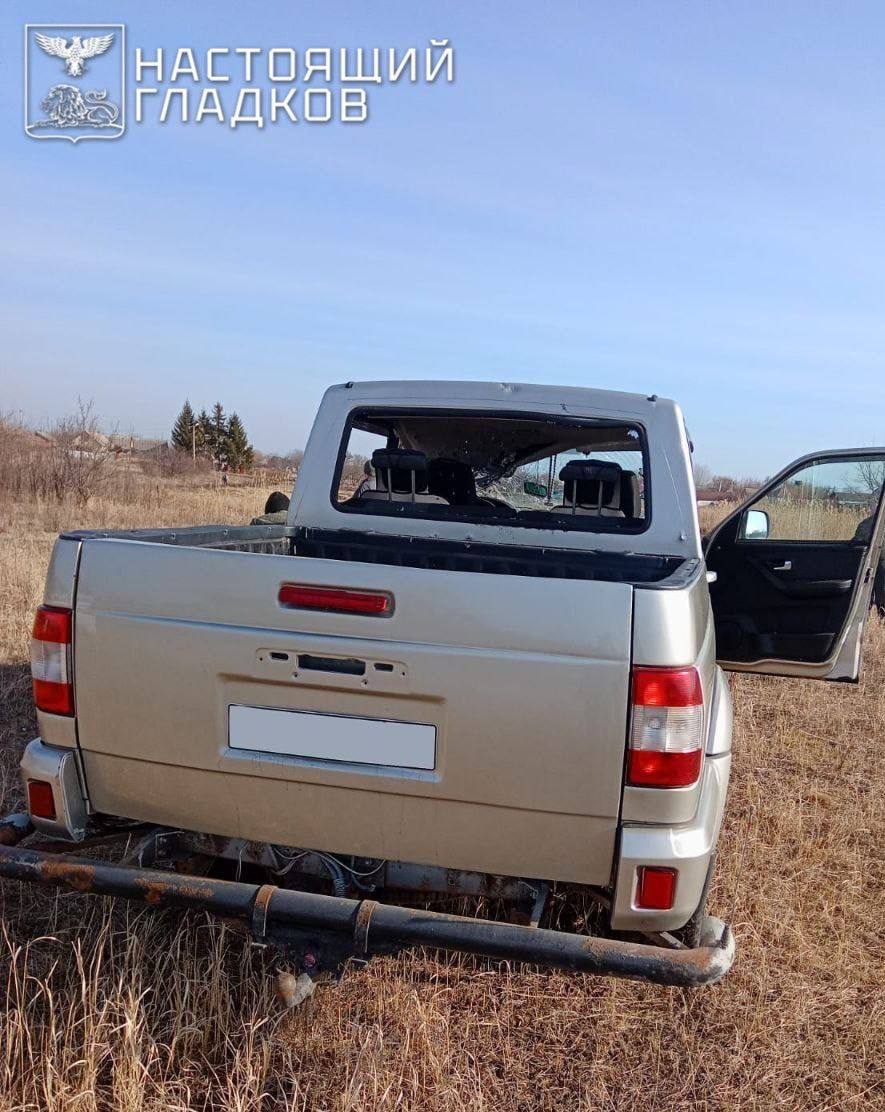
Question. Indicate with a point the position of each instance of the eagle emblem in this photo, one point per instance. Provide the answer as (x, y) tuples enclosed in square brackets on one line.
[(77, 53)]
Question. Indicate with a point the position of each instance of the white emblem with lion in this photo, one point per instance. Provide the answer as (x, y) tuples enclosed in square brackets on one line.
[(64, 109)]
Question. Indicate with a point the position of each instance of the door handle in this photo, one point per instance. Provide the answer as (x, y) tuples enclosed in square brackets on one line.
[(787, 565)]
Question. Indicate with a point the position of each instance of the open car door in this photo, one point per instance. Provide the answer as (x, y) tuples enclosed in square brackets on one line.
[(795, 566)]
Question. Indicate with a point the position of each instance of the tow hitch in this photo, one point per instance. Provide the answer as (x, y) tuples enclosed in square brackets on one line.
[(324, 931)]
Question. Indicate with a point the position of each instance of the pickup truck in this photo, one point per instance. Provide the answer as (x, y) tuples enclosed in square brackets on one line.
[(494, 671)]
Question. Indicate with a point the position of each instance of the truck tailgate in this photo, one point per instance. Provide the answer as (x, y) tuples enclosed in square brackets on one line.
[(506, 698)]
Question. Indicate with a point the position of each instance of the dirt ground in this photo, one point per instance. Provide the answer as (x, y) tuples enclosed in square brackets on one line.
[(116, 1008)]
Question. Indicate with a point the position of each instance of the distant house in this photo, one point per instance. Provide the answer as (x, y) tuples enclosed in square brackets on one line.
[(134, 446), (710, 497)]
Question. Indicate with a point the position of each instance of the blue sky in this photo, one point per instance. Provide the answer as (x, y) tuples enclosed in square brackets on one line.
[(681, 198)]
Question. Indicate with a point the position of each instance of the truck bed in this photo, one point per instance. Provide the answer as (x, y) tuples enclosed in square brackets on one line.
[(415, 552)]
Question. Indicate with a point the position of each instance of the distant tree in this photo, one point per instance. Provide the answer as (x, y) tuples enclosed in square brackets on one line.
[(291, 461), (216, 435), (183, 432), (353, 469), (220, 444), (219, 438), (871, 473), (240, 451), (703, 475), (204, 434)]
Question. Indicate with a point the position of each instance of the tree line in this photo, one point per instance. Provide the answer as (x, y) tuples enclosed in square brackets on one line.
[(213, 436)]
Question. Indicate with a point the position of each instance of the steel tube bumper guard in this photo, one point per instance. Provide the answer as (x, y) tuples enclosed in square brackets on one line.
[(360, 928)]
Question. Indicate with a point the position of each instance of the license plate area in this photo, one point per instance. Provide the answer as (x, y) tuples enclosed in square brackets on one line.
[(332, 737)]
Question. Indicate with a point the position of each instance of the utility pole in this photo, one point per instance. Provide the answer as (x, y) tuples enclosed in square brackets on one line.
[(194, 441)]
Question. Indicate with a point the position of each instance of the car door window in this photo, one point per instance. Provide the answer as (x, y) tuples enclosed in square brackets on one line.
[(828, 500), (793, 569)]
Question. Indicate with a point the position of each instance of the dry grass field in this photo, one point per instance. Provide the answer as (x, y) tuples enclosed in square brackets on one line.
[(109, 1007)]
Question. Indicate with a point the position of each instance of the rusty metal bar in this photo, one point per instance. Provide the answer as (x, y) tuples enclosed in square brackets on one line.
[(366, 927)]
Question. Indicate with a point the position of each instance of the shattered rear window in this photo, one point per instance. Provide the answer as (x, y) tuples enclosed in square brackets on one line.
[(532, 470)]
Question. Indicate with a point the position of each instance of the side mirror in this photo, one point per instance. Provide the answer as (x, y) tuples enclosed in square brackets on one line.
[(756, 526), (536, 490)]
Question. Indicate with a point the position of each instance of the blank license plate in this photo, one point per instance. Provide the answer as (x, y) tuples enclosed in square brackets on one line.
[(332, 737)]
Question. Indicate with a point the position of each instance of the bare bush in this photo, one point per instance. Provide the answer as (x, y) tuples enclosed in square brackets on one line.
[(73, 460), (171, 463), (82, 457), (291, 461)]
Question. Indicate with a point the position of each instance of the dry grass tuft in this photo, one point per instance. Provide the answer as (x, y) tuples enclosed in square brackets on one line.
[(106, 1007)]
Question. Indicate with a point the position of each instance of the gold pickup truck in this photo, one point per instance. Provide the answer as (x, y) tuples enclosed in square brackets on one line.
[(494, 671)]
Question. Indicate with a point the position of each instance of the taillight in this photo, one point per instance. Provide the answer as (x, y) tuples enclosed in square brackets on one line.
[(666, 728), (51, 660), (655, 888), (336, 600), (41, 801)]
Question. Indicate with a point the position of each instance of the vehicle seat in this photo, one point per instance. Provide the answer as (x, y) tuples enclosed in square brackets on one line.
[(453, 480), (592, 488), (400, 476)]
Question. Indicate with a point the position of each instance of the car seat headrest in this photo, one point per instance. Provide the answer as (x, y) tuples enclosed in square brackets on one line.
[(592, 483), (405, 471)]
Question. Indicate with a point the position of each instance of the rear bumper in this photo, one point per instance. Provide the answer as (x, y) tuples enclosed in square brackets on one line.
[(343, 927), (687, 847), (339, 927)]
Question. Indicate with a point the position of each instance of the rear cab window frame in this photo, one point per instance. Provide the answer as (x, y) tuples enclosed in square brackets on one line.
[(405, 511)]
